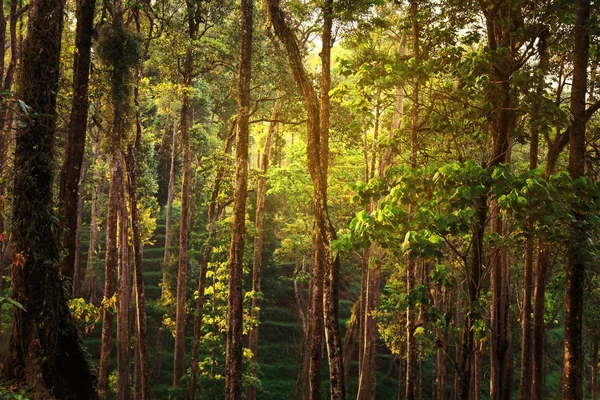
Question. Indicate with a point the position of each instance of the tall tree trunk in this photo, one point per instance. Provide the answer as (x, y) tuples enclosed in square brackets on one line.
[(233, 361), (214, 211), (258, 241), (138, 278), (44, 342), (77, 260), (325, 263), (116, 212), (169, 212), (411, 272), (501, 25), (89, 284), (123, 303), (526, 319), (352, 332), (577, 257), (594, 367), (179, 360), (327, 235), (371, 289), (75, 146), (156, 367)]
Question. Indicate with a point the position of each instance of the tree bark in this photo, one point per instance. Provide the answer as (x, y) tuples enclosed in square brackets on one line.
[(258, 241), (89, 282), (214, 211), (138, 277), (123, 303), (324, 232), (179, 359), (44, 350), (352, 333), (572, 378), (169, 212), (233, 361), (75, 146), (594, 367), (116, 212), (526, 318), (77, 260)]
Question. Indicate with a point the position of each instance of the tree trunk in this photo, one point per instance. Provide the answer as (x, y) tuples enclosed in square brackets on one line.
[(44, 342), (77, 260), (325, 263), (138, 278), (233, 362), (526, 318), (169, 213), (352, 332), (331, 265), (214, 211), (368, 367), (594, 368), (89, 283), (258, 241), (116, 211), (572, 378), (179, 359), (75, 146), (123, 303)]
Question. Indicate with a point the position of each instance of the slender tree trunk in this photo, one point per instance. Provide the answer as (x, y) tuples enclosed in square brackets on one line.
[(169, 213), (89, 285), (352, 332), (179, 360), (77, 260), (594, 368), (303, 310), (367, 370), (233, 362), (411, 271), (325, 263), (331, 264), (368, 367), (123, 303), (214, 211), (116, 212), (44, 342), (572, 378), (75, 146), (138, 278), (526, 318), (258, 241)]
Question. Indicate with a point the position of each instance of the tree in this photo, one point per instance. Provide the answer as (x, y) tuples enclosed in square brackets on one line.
[(70, 177), (572, 382), (233, 362), (45, 351)]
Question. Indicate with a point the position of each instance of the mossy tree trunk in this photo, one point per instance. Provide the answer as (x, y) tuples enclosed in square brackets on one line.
[(44, 350)]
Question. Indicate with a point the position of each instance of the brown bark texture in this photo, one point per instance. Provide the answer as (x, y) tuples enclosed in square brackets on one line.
[(577, 258), (181, 315), (234, 347), (75, 145), (44, 350), (258, 240)]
